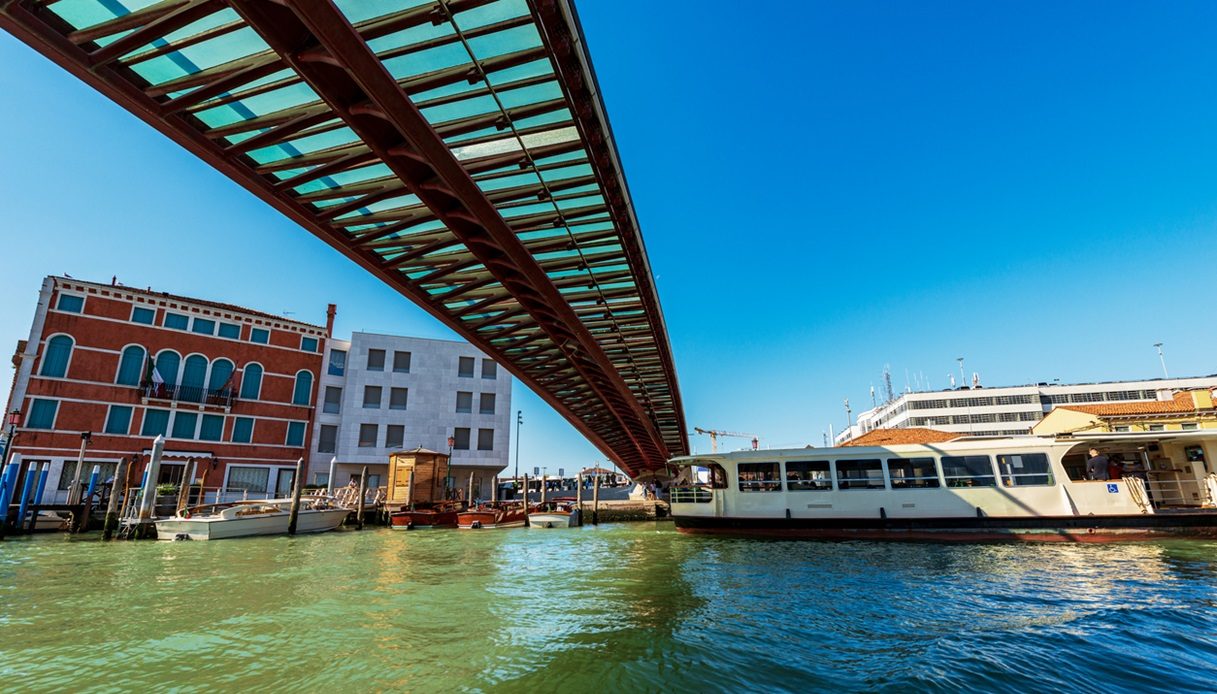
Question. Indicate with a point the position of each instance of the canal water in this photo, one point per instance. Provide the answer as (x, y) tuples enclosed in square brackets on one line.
[(633, 607)]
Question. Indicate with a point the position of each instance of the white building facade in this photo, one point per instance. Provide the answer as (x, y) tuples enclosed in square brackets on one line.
[(1008, 410), (383, 393)]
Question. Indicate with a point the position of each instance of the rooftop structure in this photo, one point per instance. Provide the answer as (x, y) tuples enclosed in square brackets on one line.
[(458, 150)]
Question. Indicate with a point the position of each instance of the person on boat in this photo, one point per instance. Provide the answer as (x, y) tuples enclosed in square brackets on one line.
[(1115, 466), (1096, 466)]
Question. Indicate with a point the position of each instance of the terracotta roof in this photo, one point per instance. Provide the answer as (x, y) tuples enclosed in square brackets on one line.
[(1181, 403), (177, 297), (888, 437)]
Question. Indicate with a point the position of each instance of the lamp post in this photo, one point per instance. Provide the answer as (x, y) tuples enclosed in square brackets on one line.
[(448, 481), (1162, 359), (519, 421)]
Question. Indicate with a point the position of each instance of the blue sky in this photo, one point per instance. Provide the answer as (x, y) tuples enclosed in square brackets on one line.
[(824, 188)]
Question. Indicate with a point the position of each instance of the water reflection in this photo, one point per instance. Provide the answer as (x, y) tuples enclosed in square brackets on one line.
[(615, 607)]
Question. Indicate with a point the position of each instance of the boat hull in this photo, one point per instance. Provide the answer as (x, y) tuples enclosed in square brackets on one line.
[(488, 519), (422, 520), (553, 519), (308, 521), (966, 529)]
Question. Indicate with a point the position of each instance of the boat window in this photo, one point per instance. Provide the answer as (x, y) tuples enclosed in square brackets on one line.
[(1024, 470), (860, 474), (808, 475), (912, 473), (968, 471), (759, 477), (718, 476)]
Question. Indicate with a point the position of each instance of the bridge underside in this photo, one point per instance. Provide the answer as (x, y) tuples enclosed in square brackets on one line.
[(456, 149)]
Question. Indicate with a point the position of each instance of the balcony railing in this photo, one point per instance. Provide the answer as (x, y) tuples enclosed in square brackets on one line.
[(220, 397)]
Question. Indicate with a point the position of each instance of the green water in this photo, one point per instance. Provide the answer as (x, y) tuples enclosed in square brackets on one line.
[(633, 607)]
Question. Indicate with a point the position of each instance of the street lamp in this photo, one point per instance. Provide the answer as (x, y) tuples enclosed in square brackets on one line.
[(1162, 359), (519, 421)]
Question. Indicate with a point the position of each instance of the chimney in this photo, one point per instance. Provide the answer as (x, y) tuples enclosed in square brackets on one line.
[(330, 312)]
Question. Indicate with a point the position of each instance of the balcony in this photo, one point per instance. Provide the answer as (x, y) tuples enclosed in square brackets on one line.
[(221, 397)]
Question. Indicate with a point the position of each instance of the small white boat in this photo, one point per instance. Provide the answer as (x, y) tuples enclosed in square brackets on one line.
[(554, 514), (50, 520), (245, 518)]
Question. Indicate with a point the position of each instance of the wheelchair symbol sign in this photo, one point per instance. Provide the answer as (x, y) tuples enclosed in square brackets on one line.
[(1113, 489)]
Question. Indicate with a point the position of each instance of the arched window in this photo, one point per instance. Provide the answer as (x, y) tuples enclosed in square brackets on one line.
[(251, 382), (221, 373), (131, 366), (304, 388), (56, 355), (194, 375), (167, 363)]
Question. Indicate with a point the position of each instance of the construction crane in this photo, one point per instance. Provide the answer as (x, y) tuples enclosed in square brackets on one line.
[(714, 434)]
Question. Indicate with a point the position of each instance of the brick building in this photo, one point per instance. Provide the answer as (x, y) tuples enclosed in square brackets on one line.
[(230, 388)]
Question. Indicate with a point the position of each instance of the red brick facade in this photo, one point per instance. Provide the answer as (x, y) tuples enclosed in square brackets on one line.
[(104, 327)]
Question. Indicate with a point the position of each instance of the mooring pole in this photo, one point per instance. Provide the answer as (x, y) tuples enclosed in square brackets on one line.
[(74, 492), (596, 500), (363, 491), (579, 495), (8, 483), (297, 485), (544, 480), (469, 498), (329, 487), (112, 506), (183, 492), (42, 475), (147, 506), (526, 500), (494, 490), (87, 501), (27, 493)]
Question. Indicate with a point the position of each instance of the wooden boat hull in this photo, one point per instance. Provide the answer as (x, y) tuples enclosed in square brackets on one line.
[(490, 518), (308, 521), (422, 519), (1122, 528)]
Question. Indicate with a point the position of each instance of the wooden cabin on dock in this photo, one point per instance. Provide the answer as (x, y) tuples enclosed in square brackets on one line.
[(417, 476)]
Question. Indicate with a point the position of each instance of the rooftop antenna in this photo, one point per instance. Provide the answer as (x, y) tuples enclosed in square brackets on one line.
[(887, 382), (873, 404), (907, 389), (1162, 359), (963, 380), (849, 414)]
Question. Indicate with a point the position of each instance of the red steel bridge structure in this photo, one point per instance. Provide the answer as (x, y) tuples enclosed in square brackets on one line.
[(459, 150)]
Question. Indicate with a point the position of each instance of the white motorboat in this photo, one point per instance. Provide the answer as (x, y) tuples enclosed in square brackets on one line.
[(245, 518), (554, 514)]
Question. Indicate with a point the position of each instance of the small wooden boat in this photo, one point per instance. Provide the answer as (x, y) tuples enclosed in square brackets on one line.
[(440, 516), (246, 518), (554, 514), (492, 516)]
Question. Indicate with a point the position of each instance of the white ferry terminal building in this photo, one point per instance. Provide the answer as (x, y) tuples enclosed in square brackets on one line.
[(1008, 410)]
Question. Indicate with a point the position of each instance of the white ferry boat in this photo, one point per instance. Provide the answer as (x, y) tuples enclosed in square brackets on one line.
[(966, 489)]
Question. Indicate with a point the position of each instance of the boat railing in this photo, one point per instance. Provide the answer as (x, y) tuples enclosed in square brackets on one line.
[(694, 494)]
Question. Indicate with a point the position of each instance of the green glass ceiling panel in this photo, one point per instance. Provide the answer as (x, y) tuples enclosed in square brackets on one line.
[(536, 68), (503, 42), (586, 201), (212, 21), (411, 36), (362, 10), (363, 173), (523, 179), (474, 106), (82, 14), (427, 60), (489, 14), (554, 175), (546, 91)]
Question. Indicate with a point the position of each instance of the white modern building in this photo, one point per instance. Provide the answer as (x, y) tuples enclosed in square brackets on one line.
[(1007, 410), (383, 393)]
